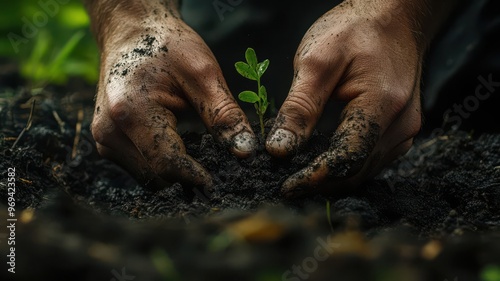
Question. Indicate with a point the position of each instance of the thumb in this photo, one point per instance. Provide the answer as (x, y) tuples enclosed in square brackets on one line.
[(299, 113), (220, 112)]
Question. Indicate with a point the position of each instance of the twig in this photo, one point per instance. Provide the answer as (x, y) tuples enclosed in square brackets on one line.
[(59, 121), (432, 141), (28, 124), (25, 181), (78, 131)]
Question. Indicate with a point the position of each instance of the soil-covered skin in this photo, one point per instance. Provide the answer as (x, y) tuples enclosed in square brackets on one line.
[(432, 215)]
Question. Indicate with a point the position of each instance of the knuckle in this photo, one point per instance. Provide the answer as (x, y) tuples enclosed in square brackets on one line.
[(301, 106), (204, 68), (311, 61), (174, 167), (101, 130), (400, 99), (396, 99), (119, 111), (411, 115), (227, 113), (366, 52), (164, 165)]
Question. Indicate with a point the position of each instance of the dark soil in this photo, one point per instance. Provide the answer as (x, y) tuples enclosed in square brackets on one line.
[(433, 215)]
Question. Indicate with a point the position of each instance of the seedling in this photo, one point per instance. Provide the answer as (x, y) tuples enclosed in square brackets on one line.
[(253, 70)]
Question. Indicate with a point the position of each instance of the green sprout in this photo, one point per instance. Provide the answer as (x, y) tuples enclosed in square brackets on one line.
[(253, 70)]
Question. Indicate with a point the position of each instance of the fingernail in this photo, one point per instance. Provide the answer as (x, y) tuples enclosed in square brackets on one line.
[(244, 144), (282, 142)]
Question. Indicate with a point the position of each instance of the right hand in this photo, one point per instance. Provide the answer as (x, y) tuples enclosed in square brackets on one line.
[(152, 66), (366, 54)]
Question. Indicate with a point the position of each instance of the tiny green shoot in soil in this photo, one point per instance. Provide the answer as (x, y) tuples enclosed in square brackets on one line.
[(253, 70)]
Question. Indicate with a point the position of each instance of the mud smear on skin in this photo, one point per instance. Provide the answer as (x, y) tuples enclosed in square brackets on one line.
[(130, 62), (353, 145), (301, 139), (350, 147)]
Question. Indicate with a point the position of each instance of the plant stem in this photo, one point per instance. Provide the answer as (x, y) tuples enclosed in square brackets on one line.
[(259, 112), (262, 125)]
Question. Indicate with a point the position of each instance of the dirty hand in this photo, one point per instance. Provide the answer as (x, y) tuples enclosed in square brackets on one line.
[(153, 66), (364, 53)]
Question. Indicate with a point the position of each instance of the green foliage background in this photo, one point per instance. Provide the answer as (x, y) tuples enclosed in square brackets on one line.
[(62, 48)]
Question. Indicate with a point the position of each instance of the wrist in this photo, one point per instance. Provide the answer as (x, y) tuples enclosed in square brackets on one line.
[(423, 17), (115, 21)]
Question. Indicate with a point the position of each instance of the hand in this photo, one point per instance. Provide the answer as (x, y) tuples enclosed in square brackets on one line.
[(152, 67), (368, 56)]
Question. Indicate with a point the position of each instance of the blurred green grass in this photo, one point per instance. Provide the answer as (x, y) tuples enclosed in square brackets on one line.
[(49, 39)]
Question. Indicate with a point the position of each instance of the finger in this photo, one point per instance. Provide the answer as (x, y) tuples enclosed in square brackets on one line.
[(304, 183), (133, 163), (350, 147), (364, 120), (151, 129), (311, 88), (405, 127), (208, 92), (114, 145)]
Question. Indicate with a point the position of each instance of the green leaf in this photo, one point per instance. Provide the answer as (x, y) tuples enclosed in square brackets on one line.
[(263, 108), (263, 98), (251, 57), (245, 70), (262, 67), (248, 96), (263, 93)]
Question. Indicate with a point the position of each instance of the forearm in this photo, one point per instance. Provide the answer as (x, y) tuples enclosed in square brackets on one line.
[(110, 17)]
